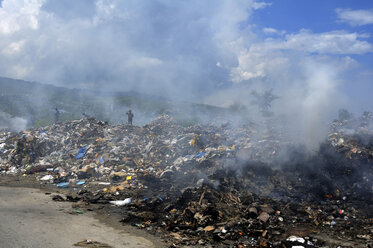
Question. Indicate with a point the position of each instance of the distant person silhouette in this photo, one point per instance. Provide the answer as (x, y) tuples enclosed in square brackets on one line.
[(56, 115), (130, 117)]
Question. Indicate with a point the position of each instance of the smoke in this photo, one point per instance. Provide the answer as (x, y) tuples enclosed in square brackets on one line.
[(202, 51), (308, 90), (160, 47), (309, 108), (8, 122)]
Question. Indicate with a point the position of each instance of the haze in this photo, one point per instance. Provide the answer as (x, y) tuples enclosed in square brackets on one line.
[(315, 55)]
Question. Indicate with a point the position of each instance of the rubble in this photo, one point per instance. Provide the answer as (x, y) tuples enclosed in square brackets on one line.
[(206, 184)]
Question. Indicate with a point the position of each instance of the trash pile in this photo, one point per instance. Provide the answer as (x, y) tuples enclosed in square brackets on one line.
[(208, 184), (353, 138)]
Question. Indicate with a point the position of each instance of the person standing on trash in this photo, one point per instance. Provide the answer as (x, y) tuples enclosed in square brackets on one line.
[(130, 117), (56, 115)]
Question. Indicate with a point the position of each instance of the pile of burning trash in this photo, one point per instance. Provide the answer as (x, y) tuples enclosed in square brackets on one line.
[(208, 184)]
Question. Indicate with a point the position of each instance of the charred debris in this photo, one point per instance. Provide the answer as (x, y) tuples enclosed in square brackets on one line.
[(210, 185)]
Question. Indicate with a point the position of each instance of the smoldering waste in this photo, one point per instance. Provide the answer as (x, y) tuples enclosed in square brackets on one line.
[(211, 185)]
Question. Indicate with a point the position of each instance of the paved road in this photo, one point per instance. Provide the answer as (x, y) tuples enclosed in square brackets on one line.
[(29, 218)]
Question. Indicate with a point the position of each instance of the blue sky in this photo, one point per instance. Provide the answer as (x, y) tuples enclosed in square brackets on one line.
[(317, 15), (321, 16), (316, 54)]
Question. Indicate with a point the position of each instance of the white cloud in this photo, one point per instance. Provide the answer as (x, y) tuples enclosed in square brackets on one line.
[(145, 62), (14, 47), (253, 64), (273, 31), (260, 5), (273, 57), (355, 17), (19, 14), (334, 42), (109, 10)]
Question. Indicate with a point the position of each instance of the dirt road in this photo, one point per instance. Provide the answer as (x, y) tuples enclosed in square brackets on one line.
[(29, 218)]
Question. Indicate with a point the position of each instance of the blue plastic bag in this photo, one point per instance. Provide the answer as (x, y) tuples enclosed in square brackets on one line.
[(63, 185), (81, 152), (200, 155)]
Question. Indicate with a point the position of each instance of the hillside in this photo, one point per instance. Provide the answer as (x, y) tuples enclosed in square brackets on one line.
[(36, 103)]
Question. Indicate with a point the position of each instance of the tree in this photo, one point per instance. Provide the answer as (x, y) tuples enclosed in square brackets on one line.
[(264, 100)]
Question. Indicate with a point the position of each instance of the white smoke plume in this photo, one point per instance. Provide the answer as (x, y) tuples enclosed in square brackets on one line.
[(8, 122)]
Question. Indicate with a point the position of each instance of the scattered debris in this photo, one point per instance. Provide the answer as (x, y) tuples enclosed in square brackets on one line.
[(63, 185), (121, 203), (46, 178), (207, 184), (57, 198), (92, 244)]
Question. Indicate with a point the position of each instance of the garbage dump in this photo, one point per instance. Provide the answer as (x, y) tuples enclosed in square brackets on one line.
[(208, 185)]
